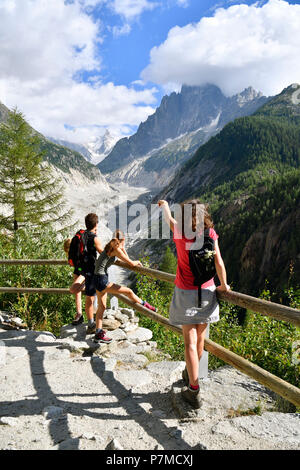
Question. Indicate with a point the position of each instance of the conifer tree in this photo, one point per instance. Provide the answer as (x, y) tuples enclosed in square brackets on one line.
[(29, 194)]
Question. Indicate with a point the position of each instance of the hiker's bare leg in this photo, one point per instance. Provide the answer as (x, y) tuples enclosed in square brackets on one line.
[(78, 296), (101, 307), (89, 307), (190, 352), (116, 289), (201, 331), (78, 284)]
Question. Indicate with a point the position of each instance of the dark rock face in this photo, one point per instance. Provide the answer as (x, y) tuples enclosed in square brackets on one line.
[(268, 253), (179, 113)]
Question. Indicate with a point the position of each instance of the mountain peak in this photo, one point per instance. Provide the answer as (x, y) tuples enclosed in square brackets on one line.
[(248, 94), (192, 109)]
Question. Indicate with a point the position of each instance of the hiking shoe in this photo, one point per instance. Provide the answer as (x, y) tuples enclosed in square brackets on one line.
[(185, 376), (91, 329), (101, 337), (77, 322), (150, 307), (192, 397)]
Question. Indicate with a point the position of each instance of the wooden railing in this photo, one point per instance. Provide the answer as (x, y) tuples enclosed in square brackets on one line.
[(277, 311)]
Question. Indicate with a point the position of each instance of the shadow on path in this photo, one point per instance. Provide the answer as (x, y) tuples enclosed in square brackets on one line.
[(59, 427)]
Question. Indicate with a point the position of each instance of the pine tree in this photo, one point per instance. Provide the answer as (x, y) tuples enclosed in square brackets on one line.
[(29, 195)]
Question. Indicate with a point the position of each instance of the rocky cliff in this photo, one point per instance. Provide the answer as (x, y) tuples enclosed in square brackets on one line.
[(199, 111), (249, 174)]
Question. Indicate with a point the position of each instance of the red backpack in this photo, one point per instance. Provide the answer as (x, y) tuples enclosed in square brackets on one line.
[(78, 249)]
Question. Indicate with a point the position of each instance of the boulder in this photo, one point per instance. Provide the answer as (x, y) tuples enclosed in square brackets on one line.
[(126, 347), (8, 421), (45, 337), (123, 318), (109, 313), (118, 335), (110, 324), (128, 311), (142, 347), (130, 327), (139, 335), (114, 445)]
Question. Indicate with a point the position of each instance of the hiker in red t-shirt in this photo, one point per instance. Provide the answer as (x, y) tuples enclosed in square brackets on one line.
[(184, 308)]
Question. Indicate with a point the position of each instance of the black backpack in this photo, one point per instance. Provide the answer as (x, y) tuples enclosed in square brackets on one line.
[(78, 254), (202, 263)]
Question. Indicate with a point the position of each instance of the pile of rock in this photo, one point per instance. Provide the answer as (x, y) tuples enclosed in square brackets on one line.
[(130, 341)]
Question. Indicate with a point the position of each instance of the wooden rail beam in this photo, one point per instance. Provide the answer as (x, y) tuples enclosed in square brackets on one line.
[(34, 290), (277, 385), (264, 307), (29, 262)]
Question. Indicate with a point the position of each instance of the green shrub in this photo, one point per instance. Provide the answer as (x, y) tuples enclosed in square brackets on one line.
[(260, 339), (40, 312)]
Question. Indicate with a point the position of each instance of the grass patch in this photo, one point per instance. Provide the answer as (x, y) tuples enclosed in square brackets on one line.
[(257, 410)]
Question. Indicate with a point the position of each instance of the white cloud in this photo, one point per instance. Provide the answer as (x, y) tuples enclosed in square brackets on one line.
[(41, 38), (236, 47), (45, 49), (86, 110), (131, 9), (182, 3), (121, 30), (138, 83)]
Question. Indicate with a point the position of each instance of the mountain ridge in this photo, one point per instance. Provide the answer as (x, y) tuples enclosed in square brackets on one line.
[(249, 175), (58, 155), (181, 113)]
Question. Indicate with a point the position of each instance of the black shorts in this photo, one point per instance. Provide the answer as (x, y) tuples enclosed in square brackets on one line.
[(100, 281), (90, 290), (78, 272)]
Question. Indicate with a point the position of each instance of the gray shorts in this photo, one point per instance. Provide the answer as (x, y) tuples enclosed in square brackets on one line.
[(183, 310)]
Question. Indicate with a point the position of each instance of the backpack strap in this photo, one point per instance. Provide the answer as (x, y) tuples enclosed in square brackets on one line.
[(199, 297), (206, 232), (84, 238)]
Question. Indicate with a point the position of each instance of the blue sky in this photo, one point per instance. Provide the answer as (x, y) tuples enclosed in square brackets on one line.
[(126, 55), (79, 67)]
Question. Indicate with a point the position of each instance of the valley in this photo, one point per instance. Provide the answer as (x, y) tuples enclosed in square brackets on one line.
[(239, 154)]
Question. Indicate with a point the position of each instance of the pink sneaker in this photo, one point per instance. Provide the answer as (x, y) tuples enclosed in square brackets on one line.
[(101, 337), (150, 307)]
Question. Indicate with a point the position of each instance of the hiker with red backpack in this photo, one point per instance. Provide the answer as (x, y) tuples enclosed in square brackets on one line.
[(194, 303), (82, 255)]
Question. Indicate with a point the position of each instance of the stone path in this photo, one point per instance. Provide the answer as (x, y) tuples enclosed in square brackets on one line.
[(65, 393)]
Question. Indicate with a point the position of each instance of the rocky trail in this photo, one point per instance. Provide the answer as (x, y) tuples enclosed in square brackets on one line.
[(69, 393)]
